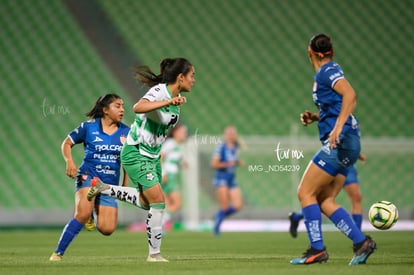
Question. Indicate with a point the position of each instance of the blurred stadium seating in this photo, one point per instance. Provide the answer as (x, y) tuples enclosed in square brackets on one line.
[(251, 69)]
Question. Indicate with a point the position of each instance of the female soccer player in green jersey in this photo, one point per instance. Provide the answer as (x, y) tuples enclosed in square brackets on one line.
[(156, 112)]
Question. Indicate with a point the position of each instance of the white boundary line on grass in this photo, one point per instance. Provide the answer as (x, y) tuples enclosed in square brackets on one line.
[(283, 226)]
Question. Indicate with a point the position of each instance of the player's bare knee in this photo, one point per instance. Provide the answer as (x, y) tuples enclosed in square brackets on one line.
[(238, 206), (82, 217), (106, 231)]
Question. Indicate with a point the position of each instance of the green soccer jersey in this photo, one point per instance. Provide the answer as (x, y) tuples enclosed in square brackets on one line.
[(172, 152), (150, 130)]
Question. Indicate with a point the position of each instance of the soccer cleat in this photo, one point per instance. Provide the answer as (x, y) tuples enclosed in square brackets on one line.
[(97, 187), (156, 258), (56, 257), (363, 251), (294, 224), (90, 225), (312, 256)]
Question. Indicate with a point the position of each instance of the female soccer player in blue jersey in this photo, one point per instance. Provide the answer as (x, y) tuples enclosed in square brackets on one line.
[(156, 112), (102, 137), (326, 172), (225, 160)]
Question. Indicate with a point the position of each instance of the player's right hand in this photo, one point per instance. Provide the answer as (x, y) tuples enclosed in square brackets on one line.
[(306, 118), (178, 100), (71, 169)]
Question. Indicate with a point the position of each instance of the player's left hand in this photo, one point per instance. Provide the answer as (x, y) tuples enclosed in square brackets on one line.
[(362, 158), (334, 139)]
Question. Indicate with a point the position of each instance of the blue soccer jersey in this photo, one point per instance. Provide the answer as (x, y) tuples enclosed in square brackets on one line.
[(102, 151), (328, 101), (226, 154)]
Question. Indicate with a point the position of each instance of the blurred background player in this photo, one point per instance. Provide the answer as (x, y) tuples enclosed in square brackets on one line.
[(326, 172), (102, 137), (172, 162), (156, 112), (225, 161)]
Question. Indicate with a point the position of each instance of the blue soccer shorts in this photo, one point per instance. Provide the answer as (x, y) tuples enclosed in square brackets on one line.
[(338, 160)]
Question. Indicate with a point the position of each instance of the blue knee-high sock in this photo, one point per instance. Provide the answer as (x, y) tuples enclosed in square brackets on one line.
[(218, 220), (72, 228), (344, 223), (220, 216), (358, 220), (297, 216), (313, 223), (230, 211)]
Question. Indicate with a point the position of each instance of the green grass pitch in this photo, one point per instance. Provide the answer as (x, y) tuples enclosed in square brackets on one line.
[(27, 252)]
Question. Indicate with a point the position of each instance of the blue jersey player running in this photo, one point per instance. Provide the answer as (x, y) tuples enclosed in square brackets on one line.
[(351, 187), (225, 160), (102, 137), (325, 175)]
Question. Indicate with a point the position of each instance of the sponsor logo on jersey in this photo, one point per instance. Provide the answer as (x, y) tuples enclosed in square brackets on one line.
[(150, 176), (335, 75), (108, 147), (97, 139), (105, 170)]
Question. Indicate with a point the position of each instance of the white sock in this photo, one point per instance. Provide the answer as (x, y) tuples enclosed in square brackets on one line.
[(154, 230), (124, 193)]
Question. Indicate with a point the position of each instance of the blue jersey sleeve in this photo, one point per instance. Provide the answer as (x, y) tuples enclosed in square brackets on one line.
[(328, 100), (218, 152), (331, 75), (78, 135)]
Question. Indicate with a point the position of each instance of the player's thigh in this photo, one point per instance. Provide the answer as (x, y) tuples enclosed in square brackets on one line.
[(83, 207), (313, 181), (154, 194), (222, 196), (236, 197)]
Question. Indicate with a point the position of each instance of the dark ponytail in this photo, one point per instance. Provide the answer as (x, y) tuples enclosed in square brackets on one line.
[(322, 45), (101, 103), (170, 68)]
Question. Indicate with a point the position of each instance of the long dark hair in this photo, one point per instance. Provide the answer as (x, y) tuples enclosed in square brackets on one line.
[(101, 103), (170, 68)]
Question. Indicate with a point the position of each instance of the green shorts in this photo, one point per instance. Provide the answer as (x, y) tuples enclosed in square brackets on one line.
[(143, 171), (172, 183)]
